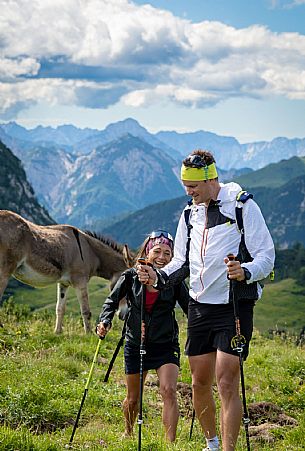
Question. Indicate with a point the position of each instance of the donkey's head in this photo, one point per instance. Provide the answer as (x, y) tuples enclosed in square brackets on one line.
[(129, 260)]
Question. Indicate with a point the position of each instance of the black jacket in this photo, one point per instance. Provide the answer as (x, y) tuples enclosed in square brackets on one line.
[(161, 325)]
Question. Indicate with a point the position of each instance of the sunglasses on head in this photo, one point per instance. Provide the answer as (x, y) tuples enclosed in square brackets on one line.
[(196, 161), (159, 233)]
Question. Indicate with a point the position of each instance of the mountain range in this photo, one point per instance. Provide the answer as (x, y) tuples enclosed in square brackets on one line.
[(229, 153), (103, 175), (94, 178), (279, 190)]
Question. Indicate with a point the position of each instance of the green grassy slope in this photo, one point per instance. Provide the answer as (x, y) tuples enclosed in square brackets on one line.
[(282, 305), (43, 377), (274, 175), (45, 298)]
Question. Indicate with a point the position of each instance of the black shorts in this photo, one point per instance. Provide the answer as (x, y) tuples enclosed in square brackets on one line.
[(156, 356), (212, 327)]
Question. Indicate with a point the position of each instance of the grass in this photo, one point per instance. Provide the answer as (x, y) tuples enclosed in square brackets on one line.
[(43, 377), (282, 307), (45, 298)]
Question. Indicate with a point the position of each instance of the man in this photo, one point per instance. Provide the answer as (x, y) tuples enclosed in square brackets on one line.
[(211, 325)]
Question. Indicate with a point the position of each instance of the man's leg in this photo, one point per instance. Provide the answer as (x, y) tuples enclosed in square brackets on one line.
[(203, 372), (131, 402), (168, 375), (227, 376)]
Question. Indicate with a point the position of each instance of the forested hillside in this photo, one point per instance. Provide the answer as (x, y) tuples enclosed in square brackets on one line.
[(16, 193)]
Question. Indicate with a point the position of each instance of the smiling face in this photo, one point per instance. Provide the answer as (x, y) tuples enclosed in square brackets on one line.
[(159, 255), (199, 190)]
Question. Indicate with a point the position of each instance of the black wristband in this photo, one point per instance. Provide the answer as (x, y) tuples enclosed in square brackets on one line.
[(247, 273)]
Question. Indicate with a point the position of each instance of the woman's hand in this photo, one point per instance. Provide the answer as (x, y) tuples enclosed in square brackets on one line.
[(146, 274), (102, 329)]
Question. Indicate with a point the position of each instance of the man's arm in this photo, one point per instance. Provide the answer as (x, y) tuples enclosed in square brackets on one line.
[(175, 271)]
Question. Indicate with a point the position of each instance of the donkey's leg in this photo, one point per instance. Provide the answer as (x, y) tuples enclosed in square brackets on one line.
[(83, 299), (3, 284), (60, 307)]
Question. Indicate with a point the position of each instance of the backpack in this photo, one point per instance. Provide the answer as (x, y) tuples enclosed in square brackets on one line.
[(243, 253)]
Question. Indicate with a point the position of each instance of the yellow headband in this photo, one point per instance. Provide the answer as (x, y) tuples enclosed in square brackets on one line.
[(198, 174)]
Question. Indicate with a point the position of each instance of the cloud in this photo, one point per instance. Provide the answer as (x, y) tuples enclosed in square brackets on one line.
[(55, 92), (296, 3), (95, 53), (11, 68), (286, 4)]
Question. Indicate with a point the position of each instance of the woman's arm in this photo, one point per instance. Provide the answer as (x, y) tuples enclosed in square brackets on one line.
[(111, 304)]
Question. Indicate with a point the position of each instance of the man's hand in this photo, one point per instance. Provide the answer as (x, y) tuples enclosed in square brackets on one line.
[(235, 271), (146, 274)]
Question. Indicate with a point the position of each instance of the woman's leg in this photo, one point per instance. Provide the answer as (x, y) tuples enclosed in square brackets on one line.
[(168, 375), (131, 402)]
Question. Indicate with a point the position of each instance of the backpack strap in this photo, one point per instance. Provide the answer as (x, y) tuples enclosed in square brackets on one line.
[(243, 253), (187, 214), (242, 197)]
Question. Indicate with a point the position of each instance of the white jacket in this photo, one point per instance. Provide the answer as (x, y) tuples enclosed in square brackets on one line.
[(212, 241)]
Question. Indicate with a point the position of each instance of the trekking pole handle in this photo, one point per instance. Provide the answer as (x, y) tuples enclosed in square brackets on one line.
[(144, 261), (106, 325), (231, 257)]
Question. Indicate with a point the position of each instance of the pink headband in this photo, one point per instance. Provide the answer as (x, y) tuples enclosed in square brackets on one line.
[(160, 240)]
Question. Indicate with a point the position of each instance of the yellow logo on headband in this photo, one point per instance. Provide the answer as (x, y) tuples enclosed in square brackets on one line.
[(198, 174)]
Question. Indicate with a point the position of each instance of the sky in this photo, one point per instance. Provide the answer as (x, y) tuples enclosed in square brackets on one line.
[(232, 67)]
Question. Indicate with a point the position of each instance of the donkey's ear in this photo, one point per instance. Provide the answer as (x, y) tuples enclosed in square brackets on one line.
[(128, 257)]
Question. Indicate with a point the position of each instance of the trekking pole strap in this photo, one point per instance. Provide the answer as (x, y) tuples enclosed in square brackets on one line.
[(187, 213), (237, 343)]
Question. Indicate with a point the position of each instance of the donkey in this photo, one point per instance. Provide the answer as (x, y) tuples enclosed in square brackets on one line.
[(41, 255)]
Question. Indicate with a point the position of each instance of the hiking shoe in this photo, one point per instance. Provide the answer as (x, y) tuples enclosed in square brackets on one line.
[(212, 444)]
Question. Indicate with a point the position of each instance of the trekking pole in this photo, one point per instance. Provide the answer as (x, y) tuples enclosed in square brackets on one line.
[(142, 261), (192, 424), (86, 388), (117, 349), (237, 343)]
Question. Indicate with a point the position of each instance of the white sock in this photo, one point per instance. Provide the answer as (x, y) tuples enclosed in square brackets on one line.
[(213, 443)]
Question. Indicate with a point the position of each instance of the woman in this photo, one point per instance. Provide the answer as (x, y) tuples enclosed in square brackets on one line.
[(161, 334)]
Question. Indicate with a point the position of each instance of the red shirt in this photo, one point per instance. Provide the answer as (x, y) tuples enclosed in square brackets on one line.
[(151, 297)]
